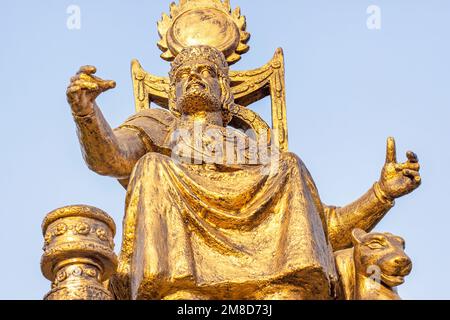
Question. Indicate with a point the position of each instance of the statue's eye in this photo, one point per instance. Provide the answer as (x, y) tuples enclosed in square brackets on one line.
[(182, 74), (207, 72), (375, 245)]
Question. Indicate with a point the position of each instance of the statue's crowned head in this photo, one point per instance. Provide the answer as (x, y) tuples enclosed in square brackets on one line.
[(199, 82)]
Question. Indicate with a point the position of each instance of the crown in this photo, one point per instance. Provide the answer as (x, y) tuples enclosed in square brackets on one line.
[(200, 52), (203, 22)]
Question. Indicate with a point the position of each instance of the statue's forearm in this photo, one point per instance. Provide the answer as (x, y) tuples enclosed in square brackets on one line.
[(363, 213), (107, 152)]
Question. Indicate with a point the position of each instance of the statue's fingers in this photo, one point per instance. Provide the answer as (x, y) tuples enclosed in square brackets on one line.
[(87, 70), (102, 84), (74, 78), (410, 173), (391, 152), (412, 157), (73, 89), (407, 165), (107, 84), (86, 85), (414, 175), (88, 77)]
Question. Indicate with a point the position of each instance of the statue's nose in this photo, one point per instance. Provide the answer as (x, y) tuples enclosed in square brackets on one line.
[(404, 264)]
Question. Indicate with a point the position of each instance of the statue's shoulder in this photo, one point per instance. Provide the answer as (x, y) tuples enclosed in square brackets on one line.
[(164, 117), (155, 127)]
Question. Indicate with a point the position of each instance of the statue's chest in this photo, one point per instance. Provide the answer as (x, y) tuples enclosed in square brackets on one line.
[(213, 145)]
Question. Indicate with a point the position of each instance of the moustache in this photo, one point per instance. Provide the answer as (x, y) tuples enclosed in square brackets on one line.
[(196, 85)]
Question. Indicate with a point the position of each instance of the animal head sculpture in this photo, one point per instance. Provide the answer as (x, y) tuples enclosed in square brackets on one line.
[(383, 251)]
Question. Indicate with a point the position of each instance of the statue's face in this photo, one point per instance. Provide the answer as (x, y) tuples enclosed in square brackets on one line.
[(197, 87)]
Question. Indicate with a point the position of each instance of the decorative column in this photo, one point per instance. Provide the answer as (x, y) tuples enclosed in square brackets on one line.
[(78, 253)]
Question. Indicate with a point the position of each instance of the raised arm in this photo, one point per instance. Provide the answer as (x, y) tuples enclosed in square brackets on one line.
[(107, 152), (397, 179)]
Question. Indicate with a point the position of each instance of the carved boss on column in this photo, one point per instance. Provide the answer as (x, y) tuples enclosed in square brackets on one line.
[(78, 253)]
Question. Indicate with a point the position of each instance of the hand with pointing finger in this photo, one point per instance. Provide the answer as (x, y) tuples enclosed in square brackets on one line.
[(84, 88), (399, 179)]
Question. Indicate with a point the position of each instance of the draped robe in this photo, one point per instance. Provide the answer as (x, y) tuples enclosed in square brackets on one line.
[(225, 230)]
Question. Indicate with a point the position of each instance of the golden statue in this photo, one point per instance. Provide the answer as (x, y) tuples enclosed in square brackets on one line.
[(216, 205)]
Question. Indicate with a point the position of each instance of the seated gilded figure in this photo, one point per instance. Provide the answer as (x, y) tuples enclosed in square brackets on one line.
[(209, 213)]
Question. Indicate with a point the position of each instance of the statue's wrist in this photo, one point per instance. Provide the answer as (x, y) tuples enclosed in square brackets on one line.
[(382, 196), (85, 113)]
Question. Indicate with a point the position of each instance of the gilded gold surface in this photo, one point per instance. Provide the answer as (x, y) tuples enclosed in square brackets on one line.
[(374, 267), (216, 206), (203, 22), (247, 87), (78, 253)]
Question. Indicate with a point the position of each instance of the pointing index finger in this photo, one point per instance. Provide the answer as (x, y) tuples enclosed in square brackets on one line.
[(391, 153)]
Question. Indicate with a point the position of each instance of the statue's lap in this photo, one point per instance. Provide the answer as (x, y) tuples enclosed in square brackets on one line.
[(228, 241)]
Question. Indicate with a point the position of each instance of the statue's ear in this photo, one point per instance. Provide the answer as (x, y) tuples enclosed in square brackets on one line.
[(357, 236)]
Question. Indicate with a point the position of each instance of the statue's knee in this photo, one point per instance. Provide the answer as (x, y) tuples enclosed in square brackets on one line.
[(292, 158), (293, 163)]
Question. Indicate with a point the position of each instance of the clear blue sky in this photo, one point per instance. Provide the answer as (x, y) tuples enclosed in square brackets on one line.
[(348, 88)]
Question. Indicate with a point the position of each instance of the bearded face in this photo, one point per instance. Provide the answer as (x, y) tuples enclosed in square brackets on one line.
[(197, 88)]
